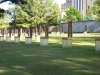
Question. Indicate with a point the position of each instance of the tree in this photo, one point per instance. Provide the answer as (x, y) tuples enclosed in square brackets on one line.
[(20, 18), (1, 12), (4, 23), (72, 14), (96, 9), (32, 9), (56, 15), (51, 14), (41, 12), (37, 12), (89, 14)]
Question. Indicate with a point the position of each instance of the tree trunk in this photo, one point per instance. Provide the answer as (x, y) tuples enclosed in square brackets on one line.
[(2, 32), (9, 32), (35, 30), (14, 30), (70, 29), (6, 32), (18, 31), (24, 30), (43, 28), (39, 29), (56, 29), (46, 30), (30, 31)]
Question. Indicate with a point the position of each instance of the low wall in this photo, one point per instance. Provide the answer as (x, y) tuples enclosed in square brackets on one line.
[(92, 26)]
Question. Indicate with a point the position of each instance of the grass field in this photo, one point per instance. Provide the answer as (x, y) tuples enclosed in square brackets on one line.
[(33, 59)]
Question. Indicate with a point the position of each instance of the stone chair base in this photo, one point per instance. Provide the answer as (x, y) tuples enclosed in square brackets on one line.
[(16, 39), (62, 34), (8, 39), (28, 40), (34, 36), (37, 38), (43, 41), (58, 33), (52, 32), (97, 44), (85, 33), (66, 42), (1, 38)]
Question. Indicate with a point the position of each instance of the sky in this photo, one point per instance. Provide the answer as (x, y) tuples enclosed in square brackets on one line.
[(6, 5), (60, 2)]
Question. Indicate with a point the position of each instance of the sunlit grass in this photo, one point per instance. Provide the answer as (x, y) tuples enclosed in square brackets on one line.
[(33, 59)]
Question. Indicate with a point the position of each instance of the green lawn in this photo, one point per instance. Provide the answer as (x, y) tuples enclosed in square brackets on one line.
[(33, 59)]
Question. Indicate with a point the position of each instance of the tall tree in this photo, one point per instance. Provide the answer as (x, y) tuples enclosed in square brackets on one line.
[(51, 14), (40, 12), (20, 18), (32, 9)]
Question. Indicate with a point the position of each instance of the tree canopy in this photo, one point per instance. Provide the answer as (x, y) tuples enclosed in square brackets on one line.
[(72, 14), (4, 22), (35, 13), (42, 11), (96, 9)]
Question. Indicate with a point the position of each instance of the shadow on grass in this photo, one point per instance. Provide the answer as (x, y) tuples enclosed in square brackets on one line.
[(33, 59)]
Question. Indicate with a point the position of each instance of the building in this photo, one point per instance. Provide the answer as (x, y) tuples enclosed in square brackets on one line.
[(65, 7), (81, 5)]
